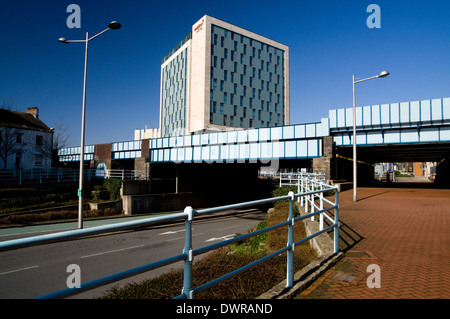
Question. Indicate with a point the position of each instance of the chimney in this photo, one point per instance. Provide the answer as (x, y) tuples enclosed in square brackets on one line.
[(33, 111)]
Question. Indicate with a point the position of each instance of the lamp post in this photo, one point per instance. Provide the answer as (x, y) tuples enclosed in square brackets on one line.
[(382, 74), (114, 25)]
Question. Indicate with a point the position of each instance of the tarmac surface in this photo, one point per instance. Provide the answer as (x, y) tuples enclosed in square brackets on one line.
[(396, 243)]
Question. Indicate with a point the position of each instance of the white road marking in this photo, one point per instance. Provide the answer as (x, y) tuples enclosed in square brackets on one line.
[(172, 232), (226, 237), (111, 251), (16, 270)]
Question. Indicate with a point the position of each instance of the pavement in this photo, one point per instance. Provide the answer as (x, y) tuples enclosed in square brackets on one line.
[(396, 243)]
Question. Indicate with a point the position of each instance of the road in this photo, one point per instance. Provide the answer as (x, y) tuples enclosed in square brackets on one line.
[(35, 271)]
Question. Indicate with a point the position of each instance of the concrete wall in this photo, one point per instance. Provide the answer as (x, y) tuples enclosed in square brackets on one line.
[(156, 203)]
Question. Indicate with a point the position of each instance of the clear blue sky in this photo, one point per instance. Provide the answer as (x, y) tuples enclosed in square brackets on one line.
[(329, 41)]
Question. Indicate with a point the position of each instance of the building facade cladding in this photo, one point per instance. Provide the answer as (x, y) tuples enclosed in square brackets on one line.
[(247, 81), (174, 80), (224, 77)]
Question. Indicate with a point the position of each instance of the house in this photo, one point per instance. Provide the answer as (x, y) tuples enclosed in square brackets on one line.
[(25, 141)]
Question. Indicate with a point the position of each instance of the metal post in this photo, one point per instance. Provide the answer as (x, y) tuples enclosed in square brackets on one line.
[(176, 181), (80, 188), (290, 252), (336, 222), (321, 207), (187, 280), (302, 188), (312, 188), (355, 163)]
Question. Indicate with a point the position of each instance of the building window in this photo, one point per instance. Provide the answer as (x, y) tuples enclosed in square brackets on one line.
[(19, 137), (39, 139)]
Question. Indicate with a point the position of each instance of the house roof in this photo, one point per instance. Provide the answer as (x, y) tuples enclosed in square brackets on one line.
[(22, 120)]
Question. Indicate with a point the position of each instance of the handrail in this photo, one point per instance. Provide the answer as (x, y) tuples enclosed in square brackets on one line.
[(188, 253)]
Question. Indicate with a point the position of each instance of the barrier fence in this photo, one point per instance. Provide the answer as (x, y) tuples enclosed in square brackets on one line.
[(315, 190), (20, 176)]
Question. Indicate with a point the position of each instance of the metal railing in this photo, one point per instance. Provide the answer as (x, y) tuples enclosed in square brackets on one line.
[(189, 252), (306, 183), (58, 175)]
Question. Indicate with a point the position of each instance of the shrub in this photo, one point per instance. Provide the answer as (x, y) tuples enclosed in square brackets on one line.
[(113, 185)]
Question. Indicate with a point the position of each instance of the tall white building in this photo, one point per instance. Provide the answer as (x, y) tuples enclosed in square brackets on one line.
[(221, 77)]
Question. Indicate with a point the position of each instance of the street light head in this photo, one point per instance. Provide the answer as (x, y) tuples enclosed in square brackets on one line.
[(63, 40), (383, 74), (114, 25)]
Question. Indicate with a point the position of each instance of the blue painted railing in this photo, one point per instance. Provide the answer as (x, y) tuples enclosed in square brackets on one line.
[(315, 192)]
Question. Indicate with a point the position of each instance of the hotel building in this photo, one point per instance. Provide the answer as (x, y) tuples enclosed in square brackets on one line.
[(222, 77)]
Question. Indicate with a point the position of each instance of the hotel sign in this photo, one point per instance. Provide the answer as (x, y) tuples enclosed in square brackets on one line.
[(199, 26)]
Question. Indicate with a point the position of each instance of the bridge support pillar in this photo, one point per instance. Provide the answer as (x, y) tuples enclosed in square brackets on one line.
[(443, 173), (325, 164)]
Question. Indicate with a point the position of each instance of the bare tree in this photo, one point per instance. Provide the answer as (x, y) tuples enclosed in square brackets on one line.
[(50, 147), (7, 104), (12, 140)]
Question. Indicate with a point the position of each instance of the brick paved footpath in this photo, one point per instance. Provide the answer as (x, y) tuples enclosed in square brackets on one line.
[(405, 231)]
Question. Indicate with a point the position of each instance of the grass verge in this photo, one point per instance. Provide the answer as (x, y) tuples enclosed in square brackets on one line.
[(248, 285)]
